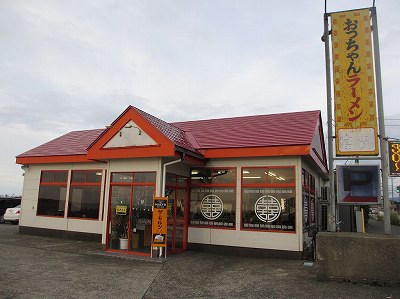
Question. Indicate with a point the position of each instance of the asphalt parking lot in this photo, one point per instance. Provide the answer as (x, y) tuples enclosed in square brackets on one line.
[(40, 267)]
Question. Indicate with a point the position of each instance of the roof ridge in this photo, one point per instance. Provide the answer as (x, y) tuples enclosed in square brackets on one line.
[(170, 131), (247, 116)]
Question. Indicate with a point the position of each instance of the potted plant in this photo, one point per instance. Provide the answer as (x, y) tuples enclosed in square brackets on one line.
[(121, 230)]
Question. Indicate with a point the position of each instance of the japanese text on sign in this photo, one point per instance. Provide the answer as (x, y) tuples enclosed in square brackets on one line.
[(355, 102), (160, 217)]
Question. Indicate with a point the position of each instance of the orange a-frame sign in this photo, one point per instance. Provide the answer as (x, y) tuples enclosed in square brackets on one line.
[(160, 217)]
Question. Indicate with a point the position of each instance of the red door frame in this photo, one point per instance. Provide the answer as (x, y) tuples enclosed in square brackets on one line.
[(131, 185), (175, 189)]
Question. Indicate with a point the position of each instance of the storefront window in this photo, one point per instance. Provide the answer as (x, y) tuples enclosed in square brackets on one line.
[(268, 199), (121, 177), (309, 204), (54, 176), (52, 193), (213, 176), (84, 194), (144, 177), (270, 175), (213, 197)]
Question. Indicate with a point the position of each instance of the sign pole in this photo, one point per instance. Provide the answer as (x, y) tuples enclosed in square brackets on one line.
[(381, 121), (331, 196)]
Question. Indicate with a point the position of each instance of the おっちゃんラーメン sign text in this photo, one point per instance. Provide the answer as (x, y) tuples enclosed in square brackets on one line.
[(354, 84)]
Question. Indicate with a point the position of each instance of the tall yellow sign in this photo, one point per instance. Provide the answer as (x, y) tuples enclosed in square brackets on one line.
[(354, 84)]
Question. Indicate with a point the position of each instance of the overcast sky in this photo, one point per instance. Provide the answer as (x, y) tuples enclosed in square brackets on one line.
[(76, 65)]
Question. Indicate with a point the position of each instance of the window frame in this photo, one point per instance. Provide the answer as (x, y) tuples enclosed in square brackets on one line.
[(211, 185), (266, 185), (53, 183), (84, 184), (308, 190)]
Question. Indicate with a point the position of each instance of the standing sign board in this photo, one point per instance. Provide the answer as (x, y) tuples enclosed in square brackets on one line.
[(394, 158), (160, 215), (354, 84), (358, 184)]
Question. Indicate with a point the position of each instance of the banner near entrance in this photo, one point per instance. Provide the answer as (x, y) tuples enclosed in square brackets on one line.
[(160, 215), (358, 185), (394, 158), (354, 84)]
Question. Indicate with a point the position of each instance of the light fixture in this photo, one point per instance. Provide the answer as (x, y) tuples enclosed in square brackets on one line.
[(128, 126), (24, 167)]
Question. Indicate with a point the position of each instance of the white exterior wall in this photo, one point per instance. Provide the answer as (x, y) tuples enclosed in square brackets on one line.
[(30, 200), (253, 239), (212, 236), (31, 193)]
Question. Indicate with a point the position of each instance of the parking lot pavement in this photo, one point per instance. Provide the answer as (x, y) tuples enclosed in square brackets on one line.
[(39, 267)]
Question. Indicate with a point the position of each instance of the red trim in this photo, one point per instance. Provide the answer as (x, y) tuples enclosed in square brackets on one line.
[(176, 188), (104, 194), (53, 184), (268, 185), (213, 185), (54, 159), (270, 231), (168, 149), (80, 218), (164, 148), (48, 216), (356, 199), (128, 252), (85, 184), (132, 152)]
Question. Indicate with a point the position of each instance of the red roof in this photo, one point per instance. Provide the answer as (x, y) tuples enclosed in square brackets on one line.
[(248, 132), (72, 143), (297, 128)]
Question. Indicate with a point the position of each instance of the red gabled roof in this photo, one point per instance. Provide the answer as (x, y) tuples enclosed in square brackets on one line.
[(72, 143), (285, 134), (285, 129)]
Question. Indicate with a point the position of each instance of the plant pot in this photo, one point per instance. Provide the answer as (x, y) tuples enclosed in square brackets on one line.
[(123, 244)]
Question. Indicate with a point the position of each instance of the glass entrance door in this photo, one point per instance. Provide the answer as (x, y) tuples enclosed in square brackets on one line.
[(119, 217), (141, 217), (130, 213)]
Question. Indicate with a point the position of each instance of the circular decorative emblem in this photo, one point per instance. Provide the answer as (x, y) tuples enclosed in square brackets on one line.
[(267, 208), (211, 207)]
